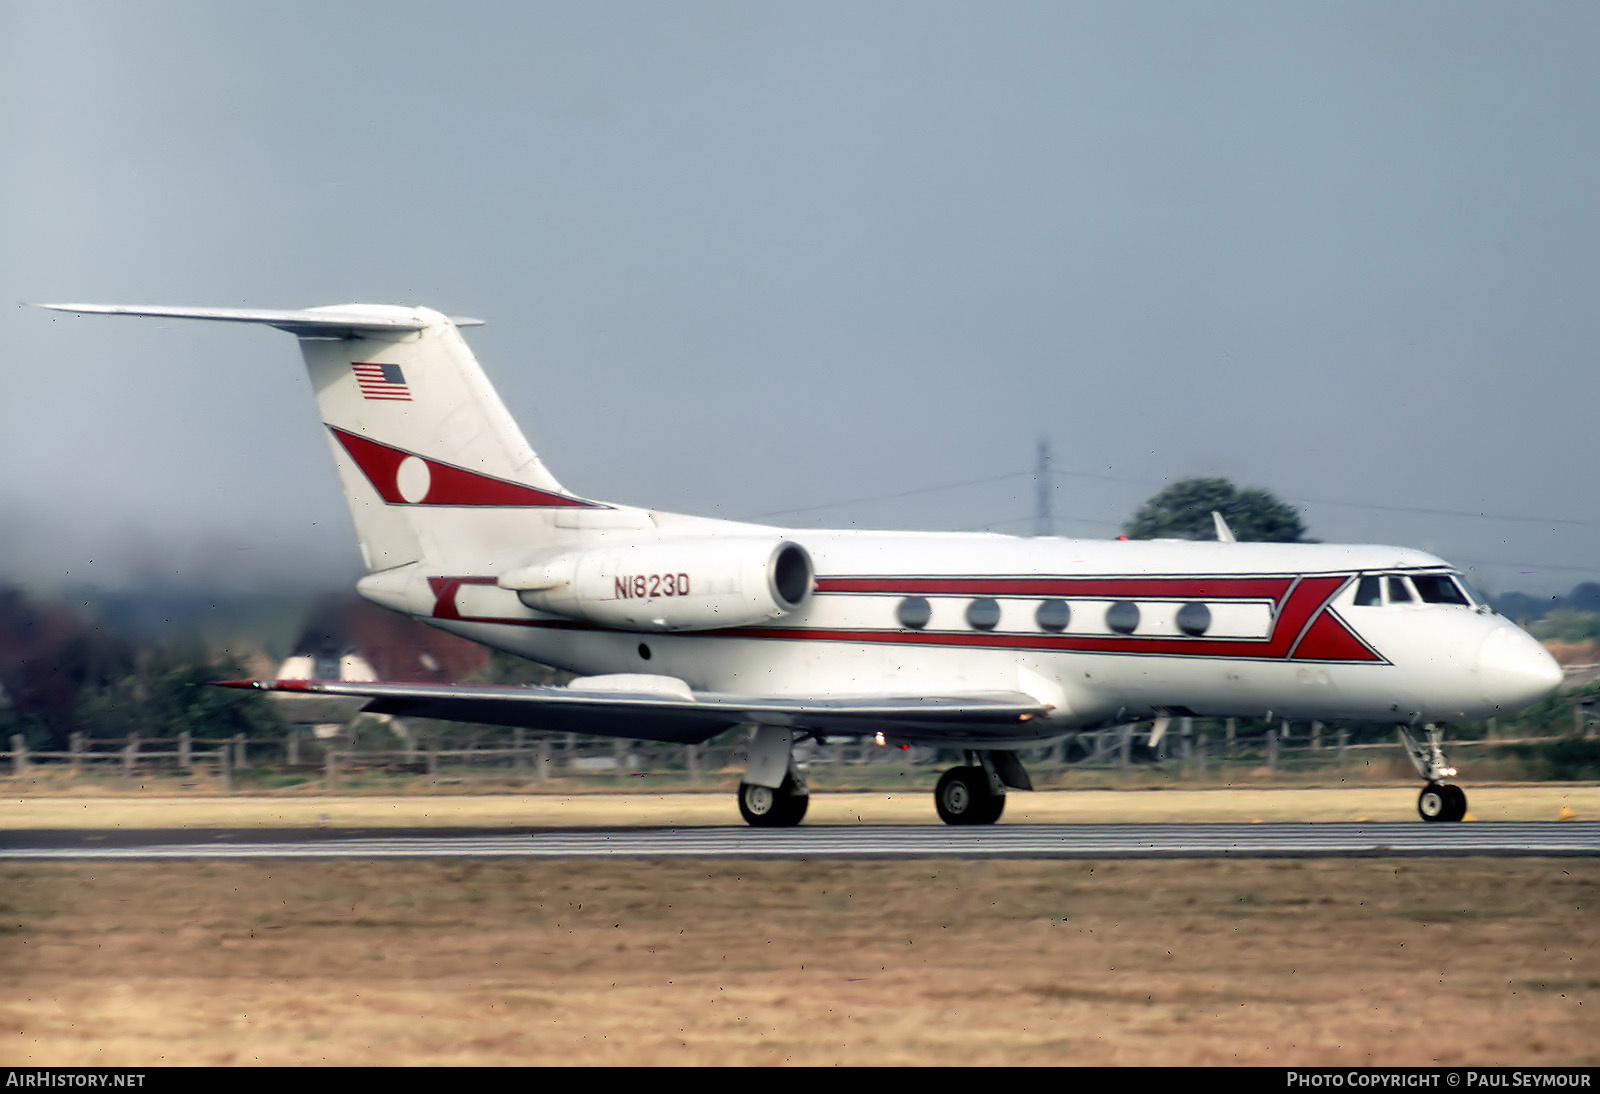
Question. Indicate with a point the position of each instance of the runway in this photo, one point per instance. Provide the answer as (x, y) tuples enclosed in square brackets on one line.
[(1065, 841)]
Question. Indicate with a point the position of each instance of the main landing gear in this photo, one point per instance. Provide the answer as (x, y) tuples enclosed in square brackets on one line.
[(1439, 800), (976, 793), (769, 807), (964, 796), (772, 794)]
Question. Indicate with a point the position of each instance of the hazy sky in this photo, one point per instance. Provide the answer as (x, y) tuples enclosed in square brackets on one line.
[(751, 259)]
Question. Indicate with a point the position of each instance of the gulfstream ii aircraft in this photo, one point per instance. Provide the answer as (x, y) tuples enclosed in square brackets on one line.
[(683, 627)]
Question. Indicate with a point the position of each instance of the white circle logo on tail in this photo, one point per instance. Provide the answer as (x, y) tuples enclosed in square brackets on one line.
[(412, 479)]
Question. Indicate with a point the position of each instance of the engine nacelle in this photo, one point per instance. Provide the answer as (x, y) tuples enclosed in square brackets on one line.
[(671, 584)]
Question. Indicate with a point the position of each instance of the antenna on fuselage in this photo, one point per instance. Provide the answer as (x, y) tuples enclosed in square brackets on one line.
[(1224, 533)]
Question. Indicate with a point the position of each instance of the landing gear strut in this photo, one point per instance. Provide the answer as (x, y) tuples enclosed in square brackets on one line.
[(1439, 800), (772, 794)]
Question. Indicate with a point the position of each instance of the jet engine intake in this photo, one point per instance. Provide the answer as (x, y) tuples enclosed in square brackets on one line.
[(672, 584)]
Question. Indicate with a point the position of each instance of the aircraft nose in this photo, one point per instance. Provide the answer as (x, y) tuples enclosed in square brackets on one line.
[(1515, 670)]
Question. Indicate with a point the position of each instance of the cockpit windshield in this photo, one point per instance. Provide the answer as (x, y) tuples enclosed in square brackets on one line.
[(1374, 590), (1369, 594), (1438, 589)]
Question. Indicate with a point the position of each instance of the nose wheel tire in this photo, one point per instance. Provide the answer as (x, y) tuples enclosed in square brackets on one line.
[(963, 796), (764, 807), (1442, 802)]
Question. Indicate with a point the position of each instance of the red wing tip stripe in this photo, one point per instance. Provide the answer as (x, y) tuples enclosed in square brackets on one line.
[(267, 685)]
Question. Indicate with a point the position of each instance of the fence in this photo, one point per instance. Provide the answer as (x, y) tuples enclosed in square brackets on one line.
[(132, 756), (1191, 748)]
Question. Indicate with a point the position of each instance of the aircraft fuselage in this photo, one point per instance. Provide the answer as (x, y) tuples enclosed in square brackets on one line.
[(1102, 631)]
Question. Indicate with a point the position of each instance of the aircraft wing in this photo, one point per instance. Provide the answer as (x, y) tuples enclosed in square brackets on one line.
[(685, 717)]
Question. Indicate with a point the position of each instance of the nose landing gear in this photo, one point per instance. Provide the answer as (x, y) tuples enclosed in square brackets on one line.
[(1439, 800)]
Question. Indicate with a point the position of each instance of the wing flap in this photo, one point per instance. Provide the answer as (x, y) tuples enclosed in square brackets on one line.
[(653, 716)]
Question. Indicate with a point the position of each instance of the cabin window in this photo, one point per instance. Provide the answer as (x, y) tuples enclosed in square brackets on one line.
[(914, 612), (1399, 590), (1054, 615), (1123, 617), (1369, 594), (1438, 589), (1194, 619), (983, 615)]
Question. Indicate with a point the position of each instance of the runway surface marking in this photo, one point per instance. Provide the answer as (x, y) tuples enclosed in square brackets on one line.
[(1018, 841)]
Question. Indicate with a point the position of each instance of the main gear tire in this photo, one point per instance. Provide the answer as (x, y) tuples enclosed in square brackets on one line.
[(963, 796), (764, 807)]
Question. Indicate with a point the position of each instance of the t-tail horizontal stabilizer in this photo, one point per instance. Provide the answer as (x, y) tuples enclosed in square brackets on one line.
[(307, 322)]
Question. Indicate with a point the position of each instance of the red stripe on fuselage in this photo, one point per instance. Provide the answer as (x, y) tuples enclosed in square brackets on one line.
[(1303, 629), (444, 597), (1109, 588), (1328, 639), (1306, 597)]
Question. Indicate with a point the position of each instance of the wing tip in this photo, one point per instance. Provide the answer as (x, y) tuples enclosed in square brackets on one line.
[(266, 685)]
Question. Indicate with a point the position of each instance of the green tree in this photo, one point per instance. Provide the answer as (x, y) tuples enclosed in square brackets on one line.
[(171, 692), (1565, 625), (1183, 511)]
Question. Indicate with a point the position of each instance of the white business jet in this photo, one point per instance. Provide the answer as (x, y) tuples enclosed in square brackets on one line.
[(684, 627)]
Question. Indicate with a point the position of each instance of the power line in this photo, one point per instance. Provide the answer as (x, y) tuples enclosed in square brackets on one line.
[(1527, 565), (1447, 512), (895, 496), (1358, 504), (1044, 470), (1022, 520), (1043, 516)]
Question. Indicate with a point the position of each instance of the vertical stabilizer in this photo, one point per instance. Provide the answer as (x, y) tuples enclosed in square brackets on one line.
[(431, 462), (433, 467)]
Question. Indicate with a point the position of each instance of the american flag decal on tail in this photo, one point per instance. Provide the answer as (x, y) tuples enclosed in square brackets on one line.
[(381, 382)]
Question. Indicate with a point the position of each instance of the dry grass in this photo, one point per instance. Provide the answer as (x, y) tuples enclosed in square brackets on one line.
[(1545, 801), (501, 962), (1574, 653)]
